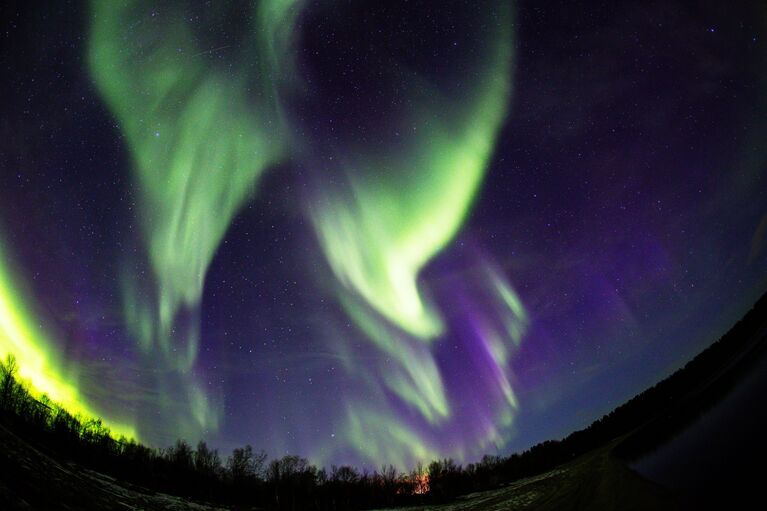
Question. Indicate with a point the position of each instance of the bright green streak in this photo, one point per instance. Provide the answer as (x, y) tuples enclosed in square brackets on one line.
[(381, 440), (407, 206), (402, 208), (199, 136), (415, 378), (22, 336)]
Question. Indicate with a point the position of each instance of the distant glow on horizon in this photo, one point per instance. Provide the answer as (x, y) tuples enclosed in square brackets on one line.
[(38, 360)]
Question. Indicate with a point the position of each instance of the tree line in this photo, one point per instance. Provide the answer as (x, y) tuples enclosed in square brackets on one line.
[(247, 477)]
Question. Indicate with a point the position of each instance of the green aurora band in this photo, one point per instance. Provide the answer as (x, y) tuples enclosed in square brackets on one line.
[(378, 433), (39, 361), (200, 136), (405, 207), (199, 142), (400, 209)]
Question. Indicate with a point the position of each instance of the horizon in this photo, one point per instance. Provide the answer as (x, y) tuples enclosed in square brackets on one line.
[(403, 473)]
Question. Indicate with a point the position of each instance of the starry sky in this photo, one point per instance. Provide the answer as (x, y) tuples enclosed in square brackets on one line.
[(375, 232)]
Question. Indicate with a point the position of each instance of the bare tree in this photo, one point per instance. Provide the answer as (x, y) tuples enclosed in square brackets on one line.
[(206, 460), (8, 370), (245, 464)]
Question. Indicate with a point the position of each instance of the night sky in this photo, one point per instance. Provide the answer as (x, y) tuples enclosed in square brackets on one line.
[(375, 232)]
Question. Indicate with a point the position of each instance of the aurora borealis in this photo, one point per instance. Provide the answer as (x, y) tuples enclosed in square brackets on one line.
[(198, 147), (375, 233)]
